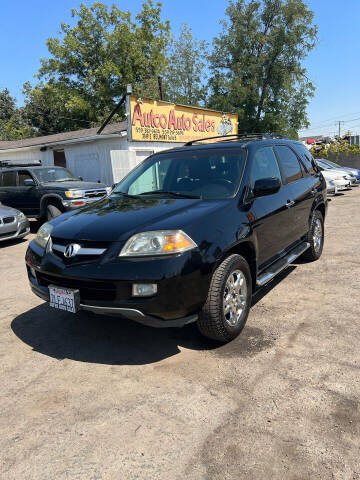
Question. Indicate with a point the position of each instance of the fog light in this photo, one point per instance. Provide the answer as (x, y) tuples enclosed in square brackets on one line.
[(144, 289)]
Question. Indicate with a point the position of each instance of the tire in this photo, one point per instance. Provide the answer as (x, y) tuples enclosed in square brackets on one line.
[(52, 212), (213, 322), (314, 252)]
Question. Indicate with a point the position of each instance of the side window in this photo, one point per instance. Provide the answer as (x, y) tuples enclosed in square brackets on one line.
[(264, 165), (306, 158), (23, 176), (9, 179), (289, 164)]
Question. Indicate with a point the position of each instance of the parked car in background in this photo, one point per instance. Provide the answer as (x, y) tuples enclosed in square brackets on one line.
[(345, 174), (354, 171), (334, 182), (187, 236), (46, 192), (13, 224)]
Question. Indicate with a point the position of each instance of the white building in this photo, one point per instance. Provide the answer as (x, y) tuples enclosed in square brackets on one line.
[(107, 157)]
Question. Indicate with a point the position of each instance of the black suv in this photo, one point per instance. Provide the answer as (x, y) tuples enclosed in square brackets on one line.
[(187, 236), (45, 192)]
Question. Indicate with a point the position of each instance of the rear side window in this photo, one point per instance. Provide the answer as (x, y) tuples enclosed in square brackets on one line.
[(264, 165), (306, 158), (289, 164), (9, 179)]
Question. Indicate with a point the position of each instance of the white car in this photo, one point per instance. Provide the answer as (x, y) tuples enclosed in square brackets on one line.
[(324, 167), (335, 181)]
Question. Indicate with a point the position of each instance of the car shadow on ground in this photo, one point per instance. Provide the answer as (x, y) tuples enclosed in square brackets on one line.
[(91, 338)]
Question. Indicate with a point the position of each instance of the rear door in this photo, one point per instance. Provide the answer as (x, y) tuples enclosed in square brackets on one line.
[(8, 188), (269, 216), (299, 191)]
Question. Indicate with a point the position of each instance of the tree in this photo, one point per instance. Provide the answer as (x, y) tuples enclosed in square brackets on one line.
[(7, 105), (13, 125), (185, 74), (91, 63), (256, 65)]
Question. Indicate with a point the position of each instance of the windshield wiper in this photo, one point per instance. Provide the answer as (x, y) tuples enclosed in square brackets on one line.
[(64, 180), (124, 194), (169, 192)]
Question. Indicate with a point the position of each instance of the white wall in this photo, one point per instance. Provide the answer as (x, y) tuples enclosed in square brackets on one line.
[(107, 160)]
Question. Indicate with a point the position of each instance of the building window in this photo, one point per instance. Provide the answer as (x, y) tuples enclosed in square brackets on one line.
[(59, 158)]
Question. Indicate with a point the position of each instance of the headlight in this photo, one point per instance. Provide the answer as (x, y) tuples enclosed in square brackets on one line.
[(74, 193), (161, 242), (21, 216), (108, 190), (43, 234)]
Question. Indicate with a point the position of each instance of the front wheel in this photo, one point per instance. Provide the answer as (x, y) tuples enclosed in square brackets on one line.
[(228, 303), (315, 237)]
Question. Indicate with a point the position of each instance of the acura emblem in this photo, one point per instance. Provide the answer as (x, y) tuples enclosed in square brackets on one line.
[(71, 250)]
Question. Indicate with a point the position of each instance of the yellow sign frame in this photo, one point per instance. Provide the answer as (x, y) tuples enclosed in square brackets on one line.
[(159, 121)]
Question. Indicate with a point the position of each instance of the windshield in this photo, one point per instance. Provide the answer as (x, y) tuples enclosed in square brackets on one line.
[(202, 174), (54, 174)]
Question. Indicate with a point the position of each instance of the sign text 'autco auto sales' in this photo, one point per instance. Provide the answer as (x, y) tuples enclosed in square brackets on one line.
[(157, 121)]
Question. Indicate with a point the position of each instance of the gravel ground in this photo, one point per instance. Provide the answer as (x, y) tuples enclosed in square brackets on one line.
[(89, 397)]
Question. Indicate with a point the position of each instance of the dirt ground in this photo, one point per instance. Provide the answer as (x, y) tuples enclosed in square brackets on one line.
[(89, 397)]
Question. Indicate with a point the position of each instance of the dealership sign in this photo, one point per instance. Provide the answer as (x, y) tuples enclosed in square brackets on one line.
[(158, 121)]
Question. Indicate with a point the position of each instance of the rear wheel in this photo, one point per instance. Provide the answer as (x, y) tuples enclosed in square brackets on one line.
[(52, 212), (315, 237), (228, 303)]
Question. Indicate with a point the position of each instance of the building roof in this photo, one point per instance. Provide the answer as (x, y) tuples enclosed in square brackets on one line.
[(112, 129)]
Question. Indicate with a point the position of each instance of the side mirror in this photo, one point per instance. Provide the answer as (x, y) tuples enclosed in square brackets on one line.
[(81, 178), (113, 186), (28, 182), (266, 186)]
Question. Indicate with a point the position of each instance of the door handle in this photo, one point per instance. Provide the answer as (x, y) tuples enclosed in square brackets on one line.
[(290, 203)]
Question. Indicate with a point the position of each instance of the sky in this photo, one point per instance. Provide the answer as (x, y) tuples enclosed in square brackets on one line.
[(333, 66)]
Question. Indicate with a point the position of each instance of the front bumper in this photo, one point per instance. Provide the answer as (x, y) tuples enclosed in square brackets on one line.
[(16, 230), (75, 203), (106, 287)]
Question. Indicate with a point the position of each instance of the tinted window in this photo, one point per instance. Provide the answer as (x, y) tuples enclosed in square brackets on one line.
[(306, 158), (264, 165), (209, 174), (289, 164), (23, 176), (9, 179)]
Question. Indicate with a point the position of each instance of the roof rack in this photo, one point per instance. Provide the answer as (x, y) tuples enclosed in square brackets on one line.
[(243, 136), (20, 163)]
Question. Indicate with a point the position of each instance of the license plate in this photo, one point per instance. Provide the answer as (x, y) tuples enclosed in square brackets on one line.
[(64, 298)]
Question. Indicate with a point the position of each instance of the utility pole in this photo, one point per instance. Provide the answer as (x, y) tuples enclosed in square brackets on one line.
[(339, 123)]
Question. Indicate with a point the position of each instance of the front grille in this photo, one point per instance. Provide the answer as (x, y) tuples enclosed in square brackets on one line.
[(78, 258), (8, 220), (95, 193), (89, 289)]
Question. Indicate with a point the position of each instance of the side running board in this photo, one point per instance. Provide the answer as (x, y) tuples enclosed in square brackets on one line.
[(281, 264)]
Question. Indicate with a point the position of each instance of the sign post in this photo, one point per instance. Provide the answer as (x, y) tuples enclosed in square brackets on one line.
[(159, 121)]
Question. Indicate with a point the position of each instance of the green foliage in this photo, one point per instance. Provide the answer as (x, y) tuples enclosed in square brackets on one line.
[(91, 63), (13, 125), (335, 150), (185, 74), (257, 68)]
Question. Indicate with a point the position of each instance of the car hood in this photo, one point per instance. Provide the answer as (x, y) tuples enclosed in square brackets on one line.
[(7, 211), (113, 219), (334, 173), (77, 185)]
